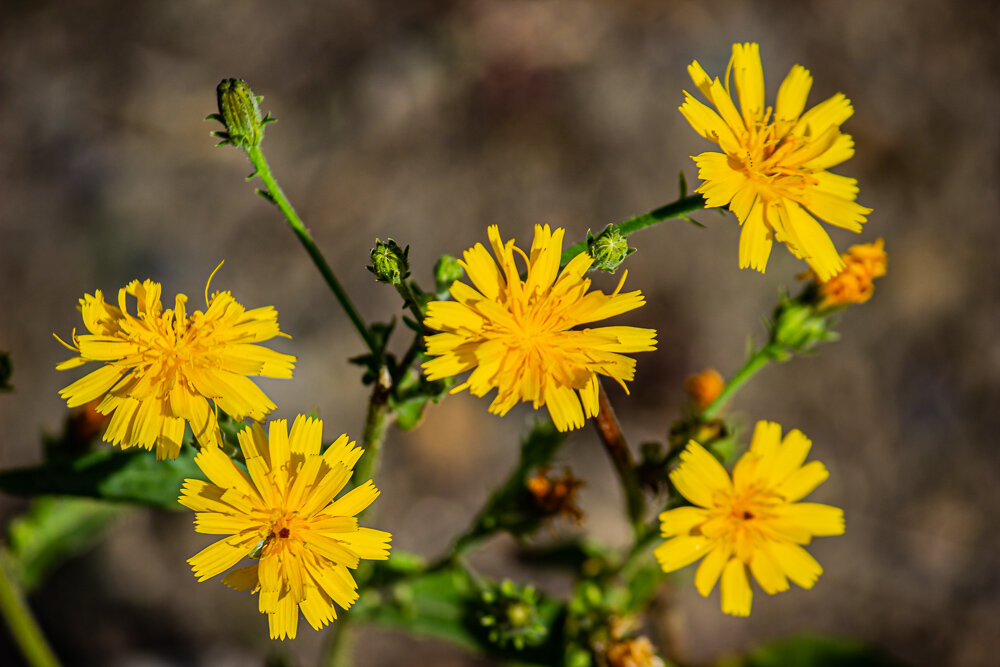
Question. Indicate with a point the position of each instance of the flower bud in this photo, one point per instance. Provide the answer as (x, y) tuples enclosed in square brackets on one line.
[(609, 249), (389, 262), (239, 112), (446, 271), (798, 327), (555, 496), (511, 616), (704, 387)]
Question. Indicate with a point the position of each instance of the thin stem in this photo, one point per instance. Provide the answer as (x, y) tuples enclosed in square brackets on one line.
[(20, 621), (339, 649), (404, 291), (275, 194), (416, 347), (756, 362), (614, 443), (376, 425), (677, 209)]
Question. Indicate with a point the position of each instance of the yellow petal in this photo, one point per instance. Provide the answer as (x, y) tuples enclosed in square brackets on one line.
[(699, 475), (678, 552), (736, 592), (711, 569), (792, 94)]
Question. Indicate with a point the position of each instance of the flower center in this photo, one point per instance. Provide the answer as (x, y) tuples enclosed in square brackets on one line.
[(767, 159)]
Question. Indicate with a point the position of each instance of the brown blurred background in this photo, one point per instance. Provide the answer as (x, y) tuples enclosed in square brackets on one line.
[(427, 121)]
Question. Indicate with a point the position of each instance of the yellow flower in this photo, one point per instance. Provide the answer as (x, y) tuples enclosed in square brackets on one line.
[(856, 283), (517, 334), (284, 513), (752, 521), (772, 171), (159, 368)]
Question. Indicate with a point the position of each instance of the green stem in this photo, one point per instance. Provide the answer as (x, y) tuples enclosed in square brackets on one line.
[(614, 443), (677, 209), (275, 194), (407, 294), (20, 622), (376, 425), (339, 649), (416, 347), (756, 362)]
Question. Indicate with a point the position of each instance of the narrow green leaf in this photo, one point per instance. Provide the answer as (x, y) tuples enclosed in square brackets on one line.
[(812, 651), (55, 530), (133, 476)]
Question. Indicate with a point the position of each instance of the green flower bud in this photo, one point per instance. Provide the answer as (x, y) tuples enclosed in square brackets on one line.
[(798, 327), (510, 616), (446, 271), (239, 112), (389, 262), (609, 249)]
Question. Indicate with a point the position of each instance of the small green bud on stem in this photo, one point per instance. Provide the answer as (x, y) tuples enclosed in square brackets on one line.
[(798, 327), (446, 271), (389, 262), (609, 249), (239, 112)]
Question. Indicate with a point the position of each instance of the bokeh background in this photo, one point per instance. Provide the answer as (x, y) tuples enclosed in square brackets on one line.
[(427, 121)]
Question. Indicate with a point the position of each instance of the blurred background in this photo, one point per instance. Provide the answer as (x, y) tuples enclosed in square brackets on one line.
[(427, 121)]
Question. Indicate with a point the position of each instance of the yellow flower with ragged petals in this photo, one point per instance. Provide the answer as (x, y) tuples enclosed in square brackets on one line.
[(285, 513), (750, 522), (161, 367), (518, 336), (772, 171)]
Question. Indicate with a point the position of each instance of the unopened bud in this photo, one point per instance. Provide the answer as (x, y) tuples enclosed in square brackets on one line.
[(239, 112), (446, 271), (798, 327), (389, 262), (510, 616), (609, 249)]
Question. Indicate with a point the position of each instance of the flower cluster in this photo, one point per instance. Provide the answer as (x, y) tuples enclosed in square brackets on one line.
[(521, 328)]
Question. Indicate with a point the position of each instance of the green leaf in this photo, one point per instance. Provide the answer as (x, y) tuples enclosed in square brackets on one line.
[(55, 530), (132, 476), (812, 651), (540, 445)]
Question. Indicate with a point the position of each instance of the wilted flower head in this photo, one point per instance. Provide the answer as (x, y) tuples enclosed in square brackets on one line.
[(519, 336), (772, 168), (160, 368), (555, 496), (284, 513), (856, 283), (752, 522), (704, 387)]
